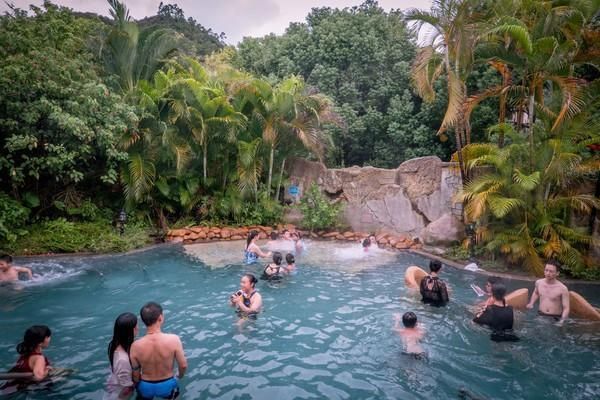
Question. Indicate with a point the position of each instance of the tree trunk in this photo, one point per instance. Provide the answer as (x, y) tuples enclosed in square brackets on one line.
[(204, 158), (270, 169), (502, 115), (280, 179), (530, 128)]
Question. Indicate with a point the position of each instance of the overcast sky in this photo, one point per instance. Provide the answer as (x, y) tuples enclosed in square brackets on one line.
[(237, 18)]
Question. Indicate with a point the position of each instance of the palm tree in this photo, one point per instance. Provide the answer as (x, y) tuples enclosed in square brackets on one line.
[(526, 215), (132, 55), (454, 27), (203, 106), (288, 111)]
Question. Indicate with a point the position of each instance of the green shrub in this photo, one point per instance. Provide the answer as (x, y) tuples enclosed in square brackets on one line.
[(318, 212), (12, 218), (62, 236)]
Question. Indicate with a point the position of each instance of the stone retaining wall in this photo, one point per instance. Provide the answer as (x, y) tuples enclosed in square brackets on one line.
[(201, 234)]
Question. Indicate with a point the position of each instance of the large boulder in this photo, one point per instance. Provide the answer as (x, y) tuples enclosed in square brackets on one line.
[(443, 231)]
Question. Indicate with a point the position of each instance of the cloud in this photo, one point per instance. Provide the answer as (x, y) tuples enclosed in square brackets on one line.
[(236, 18)]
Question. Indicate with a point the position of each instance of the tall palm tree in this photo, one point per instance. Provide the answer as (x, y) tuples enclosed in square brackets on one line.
[(132, 55), (525, 215), (203, 106), (288, 111), (453, 34)]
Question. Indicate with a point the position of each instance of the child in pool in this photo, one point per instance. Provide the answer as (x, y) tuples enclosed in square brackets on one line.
[(291, 262), (411, 334), (274, 269)]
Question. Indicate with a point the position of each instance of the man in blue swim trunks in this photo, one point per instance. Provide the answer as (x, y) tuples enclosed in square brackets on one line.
[(153, 357)]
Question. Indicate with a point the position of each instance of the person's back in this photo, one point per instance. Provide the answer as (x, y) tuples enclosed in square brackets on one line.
[(153, 357), (433, 290), (156, 355), (499, 318)]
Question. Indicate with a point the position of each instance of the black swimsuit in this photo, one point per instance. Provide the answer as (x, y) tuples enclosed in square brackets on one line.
[(274, 276), (437, 295)]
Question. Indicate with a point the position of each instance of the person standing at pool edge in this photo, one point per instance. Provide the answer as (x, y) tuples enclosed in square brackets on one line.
[(433, 289), (155, 355), (553, 294)]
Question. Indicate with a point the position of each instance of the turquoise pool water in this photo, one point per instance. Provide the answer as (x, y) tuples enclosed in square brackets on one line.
[(325, 333)]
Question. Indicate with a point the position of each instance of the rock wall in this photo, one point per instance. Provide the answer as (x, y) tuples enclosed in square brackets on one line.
[(409, 199)]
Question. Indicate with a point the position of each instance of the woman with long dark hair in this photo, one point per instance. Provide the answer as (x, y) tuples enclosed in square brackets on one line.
[(252, 251), (31, 359), (120, 383)]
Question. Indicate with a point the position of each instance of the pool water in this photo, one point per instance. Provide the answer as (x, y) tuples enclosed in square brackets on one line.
[(325, 332)]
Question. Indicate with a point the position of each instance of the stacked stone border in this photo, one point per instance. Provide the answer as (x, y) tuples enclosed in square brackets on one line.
[(203, 234)]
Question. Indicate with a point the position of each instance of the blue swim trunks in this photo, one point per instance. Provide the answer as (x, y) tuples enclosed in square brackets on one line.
[(164, 389)]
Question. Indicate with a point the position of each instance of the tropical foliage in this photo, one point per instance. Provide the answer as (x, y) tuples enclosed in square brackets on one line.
[(159, 118)]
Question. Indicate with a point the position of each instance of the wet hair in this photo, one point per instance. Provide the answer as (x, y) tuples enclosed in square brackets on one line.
[(123, 334), (34, 335), (7, 258), (251, 235), (555, 263), (435, 265), (289, 258), (251, 278), (298, 234), (366, 242), (274, 235), (277, 258), (409, 319), (150, 313), (494, 279), (498, 291)]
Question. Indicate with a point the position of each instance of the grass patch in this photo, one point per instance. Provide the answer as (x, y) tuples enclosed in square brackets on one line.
[(62, 236)]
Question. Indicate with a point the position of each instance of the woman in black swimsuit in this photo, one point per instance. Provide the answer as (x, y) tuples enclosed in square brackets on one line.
[(498, 316), (247, 300)]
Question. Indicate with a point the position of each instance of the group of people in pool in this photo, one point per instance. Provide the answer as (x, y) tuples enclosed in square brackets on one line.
[(494, 312), (146, 365)]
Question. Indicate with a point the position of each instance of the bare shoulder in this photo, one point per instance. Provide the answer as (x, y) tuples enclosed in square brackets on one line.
[(563, 287), (172, 338)]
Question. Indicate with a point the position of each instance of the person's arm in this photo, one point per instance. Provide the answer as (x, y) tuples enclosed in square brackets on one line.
[(24, 270), (253, 247), (566, 305), (444, 292), (255, 303), (534, 297), (483, 318), (122, 370), (40, 369), (180, 357), (136, 373)]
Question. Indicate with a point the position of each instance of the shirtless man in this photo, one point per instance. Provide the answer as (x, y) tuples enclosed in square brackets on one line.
[(10, 273), (553, 295), (154, 354)]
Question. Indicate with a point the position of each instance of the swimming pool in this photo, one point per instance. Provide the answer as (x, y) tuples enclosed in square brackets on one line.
[(325, 332)]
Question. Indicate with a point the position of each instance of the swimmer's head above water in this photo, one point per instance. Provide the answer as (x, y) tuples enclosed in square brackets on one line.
[(152, 313), (409, 319), (124, 333), (36, 335), (274, 235), (5, 261), (277, 258), (498, 291), (551, 269), (491, 280), (435, 266), (290, 259), (251, 236), (248, 282), (366, 243)]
